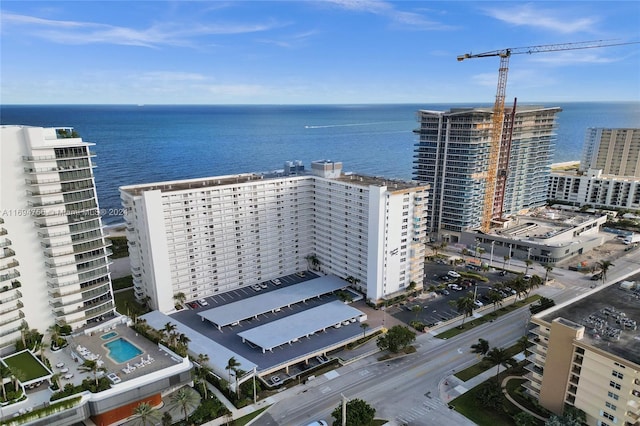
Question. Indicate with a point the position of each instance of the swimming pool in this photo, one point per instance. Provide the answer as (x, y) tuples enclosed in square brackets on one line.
[(108, 335), (121, 350)]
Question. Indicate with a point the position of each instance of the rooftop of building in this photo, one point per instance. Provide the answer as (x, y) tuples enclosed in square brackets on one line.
[(592, 173), (181, 185), (489, 110), (610, 317), (541, 224)]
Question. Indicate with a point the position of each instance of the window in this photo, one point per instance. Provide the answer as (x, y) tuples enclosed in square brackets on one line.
[(614, 385), (608, 416), (617, 374), (613, 395), (610, 405)]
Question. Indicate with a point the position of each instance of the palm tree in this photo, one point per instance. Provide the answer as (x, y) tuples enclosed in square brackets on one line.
[(498, 356), (168, 330), (523, 342), (203, 371), (464, 305), (166, 419), (364, 326), (90, 366), (313, 260), (186, 399), (232, 364), (5, 373), (604, 266), (55, 379), (496, 299), (528, 262), (416, 310), (481, 348), (180, 297), (146, 413), (548, 268)]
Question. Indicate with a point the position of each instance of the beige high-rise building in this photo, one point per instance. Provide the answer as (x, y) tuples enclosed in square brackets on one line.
[(587, 355), (614, 151)]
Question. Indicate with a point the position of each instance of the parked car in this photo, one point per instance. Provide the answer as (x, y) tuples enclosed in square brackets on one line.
[(503, 273), (443, 292), (193, 305), (446, 278), (318, 423), (478, 303), (203, 302), (263, 285), (276, 281), (301, 274), (453, 274), (256, 287)]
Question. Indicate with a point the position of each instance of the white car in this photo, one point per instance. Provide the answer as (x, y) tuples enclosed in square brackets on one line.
[(263, 285), (256, 287), (276, 281), (478, 303), (203, 302), (453, 274)]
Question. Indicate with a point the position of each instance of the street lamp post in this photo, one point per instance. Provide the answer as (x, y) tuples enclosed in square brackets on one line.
[(491, 261)]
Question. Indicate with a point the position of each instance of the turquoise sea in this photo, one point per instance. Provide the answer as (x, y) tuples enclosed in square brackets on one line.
[(150, 143)]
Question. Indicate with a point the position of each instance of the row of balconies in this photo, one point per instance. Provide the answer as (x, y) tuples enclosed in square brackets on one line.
[(11, 308), (60, 310), (57, 293), (89, 315), (29, 158), (17, 317)]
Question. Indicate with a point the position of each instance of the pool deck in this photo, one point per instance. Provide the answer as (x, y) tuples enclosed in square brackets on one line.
[(94, 344)]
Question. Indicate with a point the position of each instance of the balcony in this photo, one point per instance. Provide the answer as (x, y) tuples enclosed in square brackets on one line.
[(9, 276), (28, 158), (87, 294), (15, 307), (14, 296), (17, 317), (13, 264), (59, 310), (5, 243)]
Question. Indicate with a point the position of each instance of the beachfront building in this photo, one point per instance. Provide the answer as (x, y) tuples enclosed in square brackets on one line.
[(586, 354), (54, 266), (452, 156), (609, 173), (202, 237), (613, 151)]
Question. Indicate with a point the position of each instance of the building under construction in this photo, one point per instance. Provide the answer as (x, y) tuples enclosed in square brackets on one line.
[(453, 156)]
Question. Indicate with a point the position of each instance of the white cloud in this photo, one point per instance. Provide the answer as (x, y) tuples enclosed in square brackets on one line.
[(402, 19), (531, 15), (294, 40), (174, 34)]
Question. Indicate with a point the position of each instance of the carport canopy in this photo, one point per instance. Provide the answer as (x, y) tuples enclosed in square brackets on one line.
[(271, 301), (297, 326)]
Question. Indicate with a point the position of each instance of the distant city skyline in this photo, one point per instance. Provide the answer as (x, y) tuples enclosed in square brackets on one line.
[(311, 52)]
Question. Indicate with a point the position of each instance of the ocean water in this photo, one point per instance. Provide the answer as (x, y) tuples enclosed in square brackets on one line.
[(151, 143)]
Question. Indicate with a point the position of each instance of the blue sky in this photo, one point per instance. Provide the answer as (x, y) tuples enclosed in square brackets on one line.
[(308, 52)]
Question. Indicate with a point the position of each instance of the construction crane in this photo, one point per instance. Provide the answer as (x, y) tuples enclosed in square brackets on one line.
[(498, 110)]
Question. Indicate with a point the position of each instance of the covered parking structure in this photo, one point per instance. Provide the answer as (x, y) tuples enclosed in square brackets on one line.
[(199, 344), (303, 324), (272, 301)]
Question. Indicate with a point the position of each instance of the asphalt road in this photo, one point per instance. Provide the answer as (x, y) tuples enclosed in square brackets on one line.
[(406, 390)]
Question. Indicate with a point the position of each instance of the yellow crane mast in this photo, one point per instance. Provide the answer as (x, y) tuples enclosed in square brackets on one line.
[(498, 108)]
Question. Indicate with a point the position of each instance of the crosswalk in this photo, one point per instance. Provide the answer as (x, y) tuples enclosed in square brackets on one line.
[(419, 415)]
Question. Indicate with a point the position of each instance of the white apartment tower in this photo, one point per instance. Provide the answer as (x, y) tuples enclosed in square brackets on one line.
[(452, 155), (205, 236), (614, 151), (53, 253)]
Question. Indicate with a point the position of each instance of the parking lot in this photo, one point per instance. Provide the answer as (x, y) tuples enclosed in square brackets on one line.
[(435, 310), (229, 338)]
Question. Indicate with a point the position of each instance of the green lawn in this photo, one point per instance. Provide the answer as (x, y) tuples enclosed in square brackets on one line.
[(246, 419), (119, 247), (124, 282), (473, 323), (482, 366), (26, 364), (126, 303)]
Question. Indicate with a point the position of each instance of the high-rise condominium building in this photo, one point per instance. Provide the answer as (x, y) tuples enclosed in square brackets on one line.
[(586, 354), (205, 236), (614, 151), (452, 156), (53, 253), (609, 173)]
